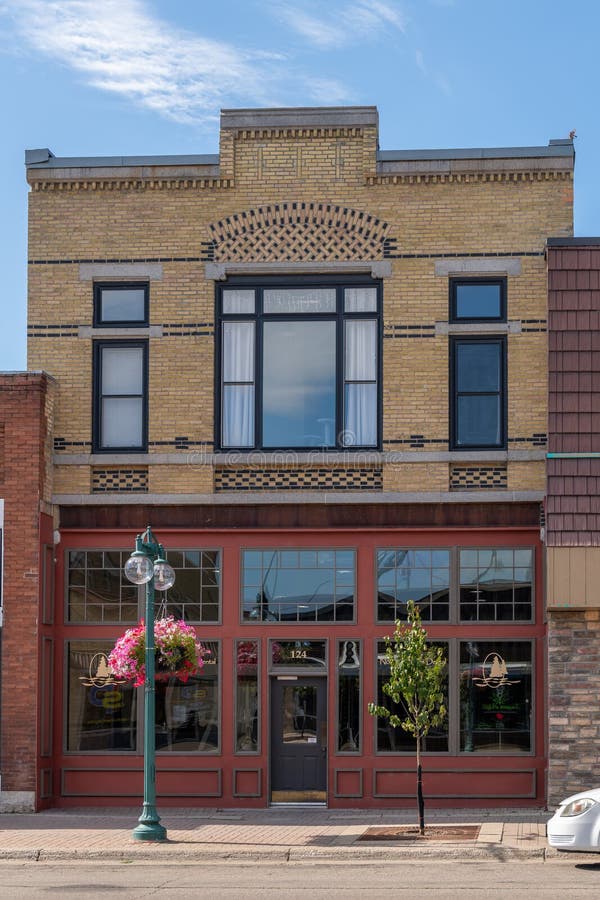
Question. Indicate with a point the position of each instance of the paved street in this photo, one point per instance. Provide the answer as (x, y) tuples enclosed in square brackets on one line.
[(444, 880)]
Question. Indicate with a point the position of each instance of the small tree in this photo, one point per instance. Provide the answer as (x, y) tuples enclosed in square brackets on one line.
[(415, 684)]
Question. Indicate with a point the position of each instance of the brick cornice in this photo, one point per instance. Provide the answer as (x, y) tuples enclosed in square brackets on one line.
[(128, 184), (469, 177)]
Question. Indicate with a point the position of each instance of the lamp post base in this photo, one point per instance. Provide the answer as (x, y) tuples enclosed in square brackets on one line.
[(149, 827)]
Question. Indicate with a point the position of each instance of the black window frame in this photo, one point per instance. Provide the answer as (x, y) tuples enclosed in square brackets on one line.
[(100, 286), (455, 341), (98, 346), (457, 282), (259, 285)]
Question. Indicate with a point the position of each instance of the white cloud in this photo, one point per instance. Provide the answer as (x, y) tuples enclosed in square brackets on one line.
[(118, 46), (343, 25)]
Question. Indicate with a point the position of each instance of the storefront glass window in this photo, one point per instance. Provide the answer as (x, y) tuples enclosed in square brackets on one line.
[(421, 575), (299, 654), (298, 585), (195, 595), (97, 590), (247, 717), (397, 740), (348, 724), (496, 584), (187, 713), (101, 715), (495, 696)]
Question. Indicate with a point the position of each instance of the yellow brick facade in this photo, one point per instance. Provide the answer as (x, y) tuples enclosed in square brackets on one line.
[(180, 218)]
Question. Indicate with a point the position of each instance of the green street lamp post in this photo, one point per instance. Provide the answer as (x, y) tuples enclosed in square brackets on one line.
[(147, 565)]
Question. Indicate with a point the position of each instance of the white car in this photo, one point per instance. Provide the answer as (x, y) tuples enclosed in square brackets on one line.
[(576, 823)]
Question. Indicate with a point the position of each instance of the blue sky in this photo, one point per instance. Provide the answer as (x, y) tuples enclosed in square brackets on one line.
[(119, 77)]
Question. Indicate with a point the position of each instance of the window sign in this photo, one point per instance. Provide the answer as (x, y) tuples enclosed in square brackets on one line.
[(299, 654), (101, 711), (495, 696)]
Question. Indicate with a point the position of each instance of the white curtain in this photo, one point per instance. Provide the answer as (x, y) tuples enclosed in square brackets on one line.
[(360, 389), (238, 384)]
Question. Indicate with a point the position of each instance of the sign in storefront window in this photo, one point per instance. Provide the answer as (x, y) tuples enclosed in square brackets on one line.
[(101, 713), (348, 707), (495, 697), (397, 740), (298, 654), (298, 585), (187, 713), (247, 719)]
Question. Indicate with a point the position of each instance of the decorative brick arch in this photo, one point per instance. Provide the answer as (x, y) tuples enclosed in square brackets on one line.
[(298, 232)]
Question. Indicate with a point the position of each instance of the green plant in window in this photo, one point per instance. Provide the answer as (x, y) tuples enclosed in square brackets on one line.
[(415, 683)]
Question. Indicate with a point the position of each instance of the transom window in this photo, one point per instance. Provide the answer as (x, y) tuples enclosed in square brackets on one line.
[(298, 585), (120, 305), (490, 584), (478, 300), (97, 590), (299, 365)]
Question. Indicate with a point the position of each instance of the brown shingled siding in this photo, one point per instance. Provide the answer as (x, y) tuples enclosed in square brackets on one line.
[(573, 495)]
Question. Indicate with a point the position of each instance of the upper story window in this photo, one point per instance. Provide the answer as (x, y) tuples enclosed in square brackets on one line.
[(120, 396), (478, 300), (300, 365), (478, 393), (120, 305)]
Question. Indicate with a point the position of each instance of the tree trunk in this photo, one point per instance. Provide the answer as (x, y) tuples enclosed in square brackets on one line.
[(420, 801)]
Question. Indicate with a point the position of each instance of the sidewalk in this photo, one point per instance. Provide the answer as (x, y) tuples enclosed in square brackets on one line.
[(277, 833)]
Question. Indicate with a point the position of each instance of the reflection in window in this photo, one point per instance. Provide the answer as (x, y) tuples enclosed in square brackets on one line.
[(397, 740), (478, 396), (421, 575), (101, 716), (247, 722), (496, 585), (299, 367), (298, 585), (348, 725), (495, 696), (299, 653), (299, 714), (195, 595), (187, 714), (97, 588)]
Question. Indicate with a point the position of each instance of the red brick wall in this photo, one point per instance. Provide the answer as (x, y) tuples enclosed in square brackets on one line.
[(26, 424)]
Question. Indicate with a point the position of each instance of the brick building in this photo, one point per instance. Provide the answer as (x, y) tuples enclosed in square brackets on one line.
[(26, 638), (319, 370), (573, 514)]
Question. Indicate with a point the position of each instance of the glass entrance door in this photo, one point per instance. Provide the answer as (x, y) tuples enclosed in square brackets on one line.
[(299, 740)]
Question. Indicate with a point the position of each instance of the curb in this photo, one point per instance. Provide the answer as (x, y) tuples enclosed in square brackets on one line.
[(161, 853)]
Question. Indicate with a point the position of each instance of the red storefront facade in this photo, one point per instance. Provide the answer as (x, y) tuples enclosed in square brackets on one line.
[(221, 738)]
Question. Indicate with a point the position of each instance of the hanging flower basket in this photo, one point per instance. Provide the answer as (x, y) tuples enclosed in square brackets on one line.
[(178, 652)]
